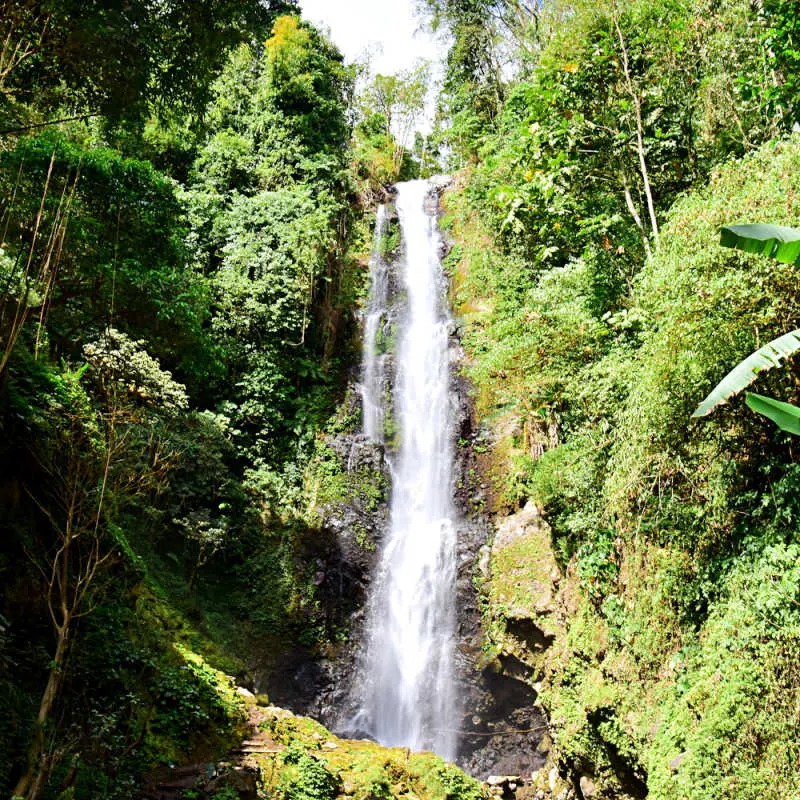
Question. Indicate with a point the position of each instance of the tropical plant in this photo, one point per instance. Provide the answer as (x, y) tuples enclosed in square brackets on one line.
[(743, 374), (782, 244), (776, 241), (785, 415)]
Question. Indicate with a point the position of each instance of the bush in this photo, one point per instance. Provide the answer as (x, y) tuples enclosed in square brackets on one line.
[(308, 778)]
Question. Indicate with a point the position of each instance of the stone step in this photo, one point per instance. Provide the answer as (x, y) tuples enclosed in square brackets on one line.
[(177, 784), (189, 769)]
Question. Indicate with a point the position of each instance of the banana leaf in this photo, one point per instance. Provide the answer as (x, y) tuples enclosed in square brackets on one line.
[(775, 241), (742, 375), (785, 415)]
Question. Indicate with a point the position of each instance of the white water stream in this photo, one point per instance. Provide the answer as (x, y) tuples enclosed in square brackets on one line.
[(407, 686), (373, 370)]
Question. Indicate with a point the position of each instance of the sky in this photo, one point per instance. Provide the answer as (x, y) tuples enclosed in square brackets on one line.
[(387, 27)]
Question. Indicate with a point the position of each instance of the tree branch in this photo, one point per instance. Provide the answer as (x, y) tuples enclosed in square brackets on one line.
[(49, 123)]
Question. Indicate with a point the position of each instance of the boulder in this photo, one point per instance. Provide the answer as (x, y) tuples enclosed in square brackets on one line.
[(588, 787), (524, 585)]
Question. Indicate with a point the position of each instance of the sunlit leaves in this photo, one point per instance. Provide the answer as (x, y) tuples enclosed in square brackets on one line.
[(740, 377), (116, 357), (265, 207), (773, 241)]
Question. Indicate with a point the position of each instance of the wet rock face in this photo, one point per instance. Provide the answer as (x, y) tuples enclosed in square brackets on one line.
[(530, 605), (523, 582), (506, 734), (358, 529), (358, 525), (341, 551), (503, 732), (355, 529)]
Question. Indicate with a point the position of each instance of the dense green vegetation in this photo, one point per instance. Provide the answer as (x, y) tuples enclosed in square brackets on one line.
[(182, 222), (318, 766), (182, 240), (603, 154)]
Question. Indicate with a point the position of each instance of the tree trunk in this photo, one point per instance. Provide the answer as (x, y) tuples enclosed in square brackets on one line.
[(637, 106), (636, 218), (30, 785)]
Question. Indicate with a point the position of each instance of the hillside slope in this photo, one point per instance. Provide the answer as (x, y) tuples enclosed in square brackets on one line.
[(657, 600)]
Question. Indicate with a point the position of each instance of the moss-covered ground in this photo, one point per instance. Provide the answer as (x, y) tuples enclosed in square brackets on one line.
[(312, 764)]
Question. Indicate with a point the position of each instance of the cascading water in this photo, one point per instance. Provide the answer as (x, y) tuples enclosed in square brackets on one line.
[(374, 360), (406, 681)]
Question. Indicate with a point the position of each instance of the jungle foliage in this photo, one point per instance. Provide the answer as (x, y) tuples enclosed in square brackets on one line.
[(180, 229), (602, 155)]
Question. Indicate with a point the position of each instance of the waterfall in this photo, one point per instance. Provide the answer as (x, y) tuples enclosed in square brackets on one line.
[(405, 684), (376, 323)]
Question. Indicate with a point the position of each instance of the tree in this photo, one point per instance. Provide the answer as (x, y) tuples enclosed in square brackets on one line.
[(111, 272), (116, 58), (389, 108), (473, 90), (268, 208), (776, 84), (400, 100), (92, 238), (92, 461), (307, 84)]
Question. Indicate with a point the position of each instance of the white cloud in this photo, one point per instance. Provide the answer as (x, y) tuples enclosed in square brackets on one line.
[(388, 28)]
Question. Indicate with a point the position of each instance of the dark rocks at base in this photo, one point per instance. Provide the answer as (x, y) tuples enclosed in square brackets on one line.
[(504, 735), (345, 551), (297, 680), (202, 781)]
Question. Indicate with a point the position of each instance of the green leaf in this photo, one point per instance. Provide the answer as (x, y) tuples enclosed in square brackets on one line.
[(741, 376), (775, 241), (785, 415)]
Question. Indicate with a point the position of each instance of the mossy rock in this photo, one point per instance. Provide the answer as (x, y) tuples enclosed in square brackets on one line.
[(522, 617), (316, 765)]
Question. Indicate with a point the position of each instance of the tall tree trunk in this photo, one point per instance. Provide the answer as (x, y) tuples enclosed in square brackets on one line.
[(31, 784), (637, 106), (22, 310), (636, 218)]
